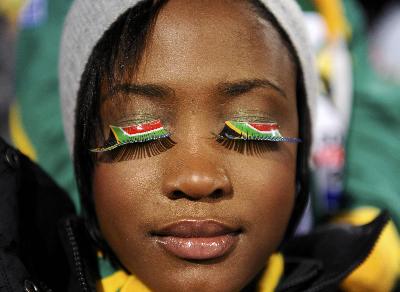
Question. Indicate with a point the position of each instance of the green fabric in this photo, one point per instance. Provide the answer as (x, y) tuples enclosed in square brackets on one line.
[(306, 5), (105, 267), (373, 145), (38, 98)]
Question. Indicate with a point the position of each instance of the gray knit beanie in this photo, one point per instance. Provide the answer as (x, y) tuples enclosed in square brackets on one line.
[(88, 20)]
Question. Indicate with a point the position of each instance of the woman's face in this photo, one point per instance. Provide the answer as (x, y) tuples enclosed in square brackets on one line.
[(201, 216)]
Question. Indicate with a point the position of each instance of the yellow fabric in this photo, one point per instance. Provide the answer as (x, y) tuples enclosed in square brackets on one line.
[(134, 285), (273, 273), (324, 63), (11, 8), (121, 282), (113, 282), (382, 268), (18, 135), (333, 13)]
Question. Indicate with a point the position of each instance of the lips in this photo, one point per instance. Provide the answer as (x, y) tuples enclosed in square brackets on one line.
[(197, 239)]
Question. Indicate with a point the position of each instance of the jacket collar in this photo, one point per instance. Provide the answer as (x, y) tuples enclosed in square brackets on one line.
[(321, 260)]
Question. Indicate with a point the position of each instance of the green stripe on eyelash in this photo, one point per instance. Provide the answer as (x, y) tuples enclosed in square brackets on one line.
[(139, 133), (254, 132)]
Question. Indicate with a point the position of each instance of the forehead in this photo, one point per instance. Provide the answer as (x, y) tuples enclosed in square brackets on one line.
[(218, 40)]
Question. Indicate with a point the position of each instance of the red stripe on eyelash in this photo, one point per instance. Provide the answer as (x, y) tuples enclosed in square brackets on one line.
[(142, 128), (265, 127)]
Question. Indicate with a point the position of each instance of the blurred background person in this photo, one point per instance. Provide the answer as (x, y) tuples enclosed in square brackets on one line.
[(9, 11), (384, 41), (35, 116), (356, 142)]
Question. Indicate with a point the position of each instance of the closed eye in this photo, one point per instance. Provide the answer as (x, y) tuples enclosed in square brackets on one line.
[(246, 131), (248, 147), (134, 151), (134, 141)]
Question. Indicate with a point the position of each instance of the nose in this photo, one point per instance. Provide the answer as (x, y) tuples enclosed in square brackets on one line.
[(197, 181)]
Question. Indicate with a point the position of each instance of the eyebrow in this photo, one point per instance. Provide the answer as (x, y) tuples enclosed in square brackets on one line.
[(240, 87), (230, 89), (149, 90)]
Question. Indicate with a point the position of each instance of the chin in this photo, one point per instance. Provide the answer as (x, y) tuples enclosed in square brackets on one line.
[(231, 272), (196, 279)]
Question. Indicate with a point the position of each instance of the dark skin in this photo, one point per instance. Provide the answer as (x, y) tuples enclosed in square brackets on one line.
[(212, 61)]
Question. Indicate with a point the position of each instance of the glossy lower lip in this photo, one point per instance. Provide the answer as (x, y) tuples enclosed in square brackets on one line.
[(197, 239), (199, 248)]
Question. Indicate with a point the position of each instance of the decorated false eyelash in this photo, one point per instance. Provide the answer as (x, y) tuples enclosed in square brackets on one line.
[(254, 132), (139, 133)]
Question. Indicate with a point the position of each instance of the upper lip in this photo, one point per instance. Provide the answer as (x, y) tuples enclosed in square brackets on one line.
[(196, 228)]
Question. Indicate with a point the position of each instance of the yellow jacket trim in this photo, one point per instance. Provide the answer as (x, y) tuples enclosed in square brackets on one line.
[(121, 282), (381, 269)]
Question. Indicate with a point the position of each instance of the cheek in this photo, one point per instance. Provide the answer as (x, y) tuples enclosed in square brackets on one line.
[(266, 190), (121, 194)]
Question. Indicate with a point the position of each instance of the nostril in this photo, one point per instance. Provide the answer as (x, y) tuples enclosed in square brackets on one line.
[(175, 195), (217, 194)]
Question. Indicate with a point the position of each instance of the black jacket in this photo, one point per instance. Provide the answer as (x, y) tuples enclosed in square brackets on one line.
[(44, 245)]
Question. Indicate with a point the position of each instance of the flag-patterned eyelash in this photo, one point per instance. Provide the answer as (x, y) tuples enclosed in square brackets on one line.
[(254, 132), (154, 130), (138, 133)]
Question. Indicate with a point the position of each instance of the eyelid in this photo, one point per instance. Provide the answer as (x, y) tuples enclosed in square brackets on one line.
[(136, 119), (253, 116), (135, 133)]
